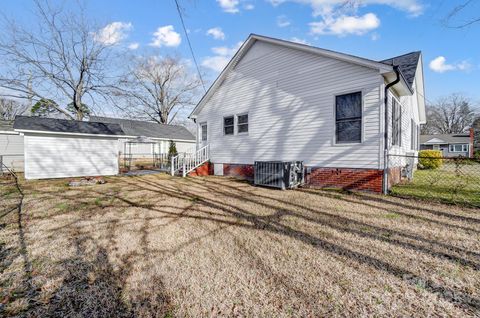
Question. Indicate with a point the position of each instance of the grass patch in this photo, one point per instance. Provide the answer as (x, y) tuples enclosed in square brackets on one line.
[(138, 247), (445, 185)]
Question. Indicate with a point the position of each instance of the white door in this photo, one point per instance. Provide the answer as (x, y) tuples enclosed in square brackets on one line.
[(56, 156)]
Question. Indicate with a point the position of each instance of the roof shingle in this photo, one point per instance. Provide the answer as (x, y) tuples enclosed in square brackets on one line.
[(148, 129), (66, 126)]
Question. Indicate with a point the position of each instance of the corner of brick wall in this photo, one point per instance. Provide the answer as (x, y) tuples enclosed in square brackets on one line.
[(243, 171), (205, 169), (346, 178)]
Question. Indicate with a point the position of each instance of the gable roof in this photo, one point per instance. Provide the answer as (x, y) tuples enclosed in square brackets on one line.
[(382, 66), (54, 125), (150, 129), (445, 139), (407, 64)]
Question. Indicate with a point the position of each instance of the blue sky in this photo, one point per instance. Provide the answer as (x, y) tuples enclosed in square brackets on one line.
[(376, 29)]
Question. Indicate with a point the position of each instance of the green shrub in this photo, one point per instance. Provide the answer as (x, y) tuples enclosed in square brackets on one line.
[(172, 149), (476, 154), (430, 159)]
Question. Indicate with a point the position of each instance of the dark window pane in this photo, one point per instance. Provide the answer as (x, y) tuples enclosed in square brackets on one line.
[(349, 131), (228, 130), (204, 132), (228, 121), (349, 106), (243, 128), (243, 119)]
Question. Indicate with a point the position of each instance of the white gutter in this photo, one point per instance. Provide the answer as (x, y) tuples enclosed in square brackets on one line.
[(8, 132)]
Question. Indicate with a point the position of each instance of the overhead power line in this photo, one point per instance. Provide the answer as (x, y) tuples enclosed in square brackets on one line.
[(190, 44)]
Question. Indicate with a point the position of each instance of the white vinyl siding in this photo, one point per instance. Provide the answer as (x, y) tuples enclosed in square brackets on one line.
[(290, 97), (55, 156), (11, 150)]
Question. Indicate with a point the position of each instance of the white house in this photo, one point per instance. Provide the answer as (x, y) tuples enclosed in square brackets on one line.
[(340, 114), (451, 145), (59, 148), (11, 147)]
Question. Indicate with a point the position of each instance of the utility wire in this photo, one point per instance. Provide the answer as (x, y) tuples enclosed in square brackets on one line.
[(190, 44)]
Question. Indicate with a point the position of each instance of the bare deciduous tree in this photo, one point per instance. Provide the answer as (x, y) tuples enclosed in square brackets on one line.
[(462, 15), (157, 88), (449, 115), (59, 59), (10, 108)]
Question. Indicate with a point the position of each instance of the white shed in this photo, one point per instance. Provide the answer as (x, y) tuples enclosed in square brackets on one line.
[(57, 148)]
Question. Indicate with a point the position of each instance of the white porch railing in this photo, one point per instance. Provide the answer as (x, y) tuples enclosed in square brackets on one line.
[(188, 162)]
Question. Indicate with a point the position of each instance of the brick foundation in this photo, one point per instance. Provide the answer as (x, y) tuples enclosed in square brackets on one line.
[(342, 178), (204, 170), (238, 170), (394, 176), (346, 178)]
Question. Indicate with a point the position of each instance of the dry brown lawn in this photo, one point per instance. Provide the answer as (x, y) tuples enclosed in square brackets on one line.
[(171, 247)]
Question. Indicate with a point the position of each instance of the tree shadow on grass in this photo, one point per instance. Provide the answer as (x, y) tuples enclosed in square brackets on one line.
[(273, 224)]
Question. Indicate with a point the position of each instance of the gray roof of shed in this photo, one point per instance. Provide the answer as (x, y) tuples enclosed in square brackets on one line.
[(448, 138), (148, 129), (407, 63), (66, 126), (6, 125)]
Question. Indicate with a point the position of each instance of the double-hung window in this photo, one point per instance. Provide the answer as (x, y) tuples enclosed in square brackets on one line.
[(396, 123), (228, 125), (413, 135), (348, 118), (204, 131), (459, 148), (242, 123)]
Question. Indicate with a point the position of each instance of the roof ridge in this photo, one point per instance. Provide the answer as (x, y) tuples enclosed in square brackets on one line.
[(398, 56), (138, 120)]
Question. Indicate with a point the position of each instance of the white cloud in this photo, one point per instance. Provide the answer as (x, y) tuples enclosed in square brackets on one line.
[(375, 36), (282, 21), (166, 36), (134, 46), (440, 65), (301, 41), (222, 56), (249, 6), (344, 25), (113, 33), (216, 33), (326, 7), (230, 6)]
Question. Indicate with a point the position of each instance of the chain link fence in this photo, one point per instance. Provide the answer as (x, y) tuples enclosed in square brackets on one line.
[(446, 179)]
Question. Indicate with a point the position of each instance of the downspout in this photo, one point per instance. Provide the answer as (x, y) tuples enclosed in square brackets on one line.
[(385, 135)]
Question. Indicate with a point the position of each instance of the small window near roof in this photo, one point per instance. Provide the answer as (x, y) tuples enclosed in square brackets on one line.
[(204, 131), (348, 118), (242, 123), (228, 125)]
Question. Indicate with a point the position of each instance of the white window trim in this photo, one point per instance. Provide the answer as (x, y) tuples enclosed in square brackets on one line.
[(201, 130), (391, 121), (450, 146), (236, 124), (223, 125), (362, 116)]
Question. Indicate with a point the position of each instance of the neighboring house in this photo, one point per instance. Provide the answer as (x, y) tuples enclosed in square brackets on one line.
[(58, 148), (11, 147), (451, 145), (159, 133), (278, 100)]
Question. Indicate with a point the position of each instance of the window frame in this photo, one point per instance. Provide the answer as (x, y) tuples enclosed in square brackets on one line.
[(203, 124), (362, 99), (233, 125), (237, 124), (452, 146), (397, 140)]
